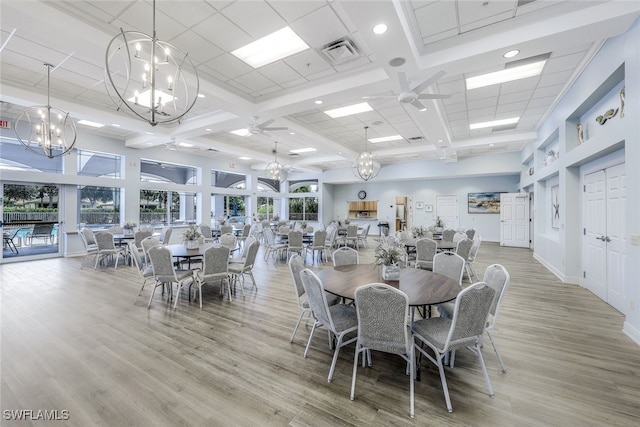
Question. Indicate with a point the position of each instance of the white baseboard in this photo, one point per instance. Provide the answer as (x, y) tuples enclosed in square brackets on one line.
[(555, 271), (632, 332)]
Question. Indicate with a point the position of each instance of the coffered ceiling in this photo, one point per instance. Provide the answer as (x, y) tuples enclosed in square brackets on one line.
[(456, 38)]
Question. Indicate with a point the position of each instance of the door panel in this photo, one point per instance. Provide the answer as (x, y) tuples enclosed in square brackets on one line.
[(616, 205), (514, 220), (595, 258), (447, 210)]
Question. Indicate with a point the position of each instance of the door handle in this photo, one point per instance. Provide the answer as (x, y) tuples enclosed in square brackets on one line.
[(601, 238), (606, 239)]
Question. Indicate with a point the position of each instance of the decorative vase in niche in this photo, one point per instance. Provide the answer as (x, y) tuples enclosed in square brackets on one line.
[(390, 271), (192, 244)]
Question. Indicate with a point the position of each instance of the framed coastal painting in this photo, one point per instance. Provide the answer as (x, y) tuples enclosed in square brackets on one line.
[(484, 203)]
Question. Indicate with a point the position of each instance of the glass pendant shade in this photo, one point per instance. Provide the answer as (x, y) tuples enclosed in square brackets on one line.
[(366, 167)]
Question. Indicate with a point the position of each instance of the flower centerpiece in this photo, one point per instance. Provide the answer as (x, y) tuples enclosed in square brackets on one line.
[(389, 256), (191, 236), (128, 227), (419, 231), (439, 223), (303, 224)]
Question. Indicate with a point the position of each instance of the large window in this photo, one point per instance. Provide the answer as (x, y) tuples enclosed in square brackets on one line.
[(15, 157), (158, 207), (99, 164), (155, 171), (266, 184), (268, 208), (228, 180), (303, 208), (98, 207)]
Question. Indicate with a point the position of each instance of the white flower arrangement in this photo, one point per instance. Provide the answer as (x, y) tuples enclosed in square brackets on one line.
[(191, 233), (129, 225), (419, 231), (390, 254)]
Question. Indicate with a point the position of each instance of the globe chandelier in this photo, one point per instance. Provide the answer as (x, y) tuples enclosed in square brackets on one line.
[(43, 129), (150, 79), (274, 169), (366, 167)]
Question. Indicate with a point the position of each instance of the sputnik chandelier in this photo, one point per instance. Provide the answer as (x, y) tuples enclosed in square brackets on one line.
[(274, 169), (43, 129), (366, 167), (150, 79)]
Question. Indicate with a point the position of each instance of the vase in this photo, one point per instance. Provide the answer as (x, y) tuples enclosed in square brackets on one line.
[(192, 244), (390, 271)]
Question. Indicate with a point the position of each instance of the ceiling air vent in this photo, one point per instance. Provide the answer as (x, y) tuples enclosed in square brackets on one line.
[(341, 51), (415, 139)]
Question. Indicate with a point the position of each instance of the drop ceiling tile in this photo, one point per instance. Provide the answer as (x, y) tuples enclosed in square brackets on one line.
[(541, 102), (514, 107), (140, 17), (551, 79), (321, 74), (476, 14), (563, 63), (436, 17), (254, 81), (456, 108), (516, 97), (101, 9), (353, 64), (538, 111), (483, 103), (548, 91), (483, 92), (294, 83), (187, 13), (307, 63), (519, 85), (462, 115), (320, 27), (198, 48), (222, 32), (433, 38), (481, 114), (279, 72), (256, 18), (229, 66), (293, 10)]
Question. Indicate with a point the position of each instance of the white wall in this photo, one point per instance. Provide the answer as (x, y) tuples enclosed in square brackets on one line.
[(426, 190)]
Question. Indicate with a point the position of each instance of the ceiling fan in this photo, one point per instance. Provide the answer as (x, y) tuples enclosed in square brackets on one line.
[(257, 128), (413, 95)]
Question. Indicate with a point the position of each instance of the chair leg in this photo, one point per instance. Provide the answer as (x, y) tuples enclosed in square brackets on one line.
[(443, 379), (313, 329), (355, 371), (478, 352), (302, 312), (493, 343)]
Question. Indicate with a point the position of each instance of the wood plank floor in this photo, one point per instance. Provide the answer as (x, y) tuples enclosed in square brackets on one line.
[(73, 339)]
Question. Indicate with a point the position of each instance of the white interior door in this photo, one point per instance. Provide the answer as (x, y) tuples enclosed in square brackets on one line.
[(604, 234), (514, 220), (447, 210), (595, 228), (615, 237)]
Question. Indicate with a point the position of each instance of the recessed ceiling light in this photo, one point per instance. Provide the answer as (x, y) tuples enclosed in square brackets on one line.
[(348, 110), (423, 109), (115, 125), (439, 140), (303, 150), (319, 101), (149, 133), (200, 95), (511, 53), (493, 123), (241, 132), (491, 145), (271, 48), (385, 139), (208, 129), (292, 133), (244, 158), (380, 29), (506, 75), (149, 143), (90, 123), (185, 144)]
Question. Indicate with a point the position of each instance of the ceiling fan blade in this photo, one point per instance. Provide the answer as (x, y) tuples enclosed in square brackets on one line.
[(418, 105), (265, 124), (274, 128), (433, 96), (404, 83), (422, 86)]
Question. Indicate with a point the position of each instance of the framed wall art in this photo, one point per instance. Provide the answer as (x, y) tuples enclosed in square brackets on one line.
[(428, 208), (555, 206), (419, 205), (484, 203)]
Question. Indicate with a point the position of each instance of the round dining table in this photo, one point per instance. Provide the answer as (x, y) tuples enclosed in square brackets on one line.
[(423, 287), (443, 245)]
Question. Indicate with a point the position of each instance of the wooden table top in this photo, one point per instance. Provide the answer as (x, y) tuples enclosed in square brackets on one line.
[(423, 287)]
